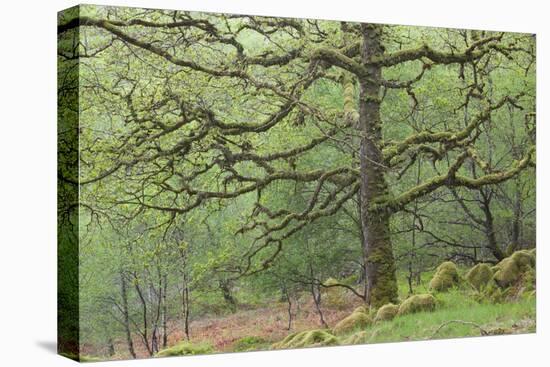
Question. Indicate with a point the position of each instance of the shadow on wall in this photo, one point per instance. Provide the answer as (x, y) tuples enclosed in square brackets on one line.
[(49, 345)]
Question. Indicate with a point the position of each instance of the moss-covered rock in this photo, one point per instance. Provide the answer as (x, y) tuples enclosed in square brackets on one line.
[(445, 277), (249, 343), (529, 280), (185, 348), (310, 338), (355, 321), (360, 337), (524, 258), (524, 286), (479, 276), (417, 303), (510, 270), (386, 312), (363, 308)]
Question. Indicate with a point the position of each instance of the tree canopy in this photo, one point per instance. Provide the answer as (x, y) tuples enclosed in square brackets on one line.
[(233, 149)]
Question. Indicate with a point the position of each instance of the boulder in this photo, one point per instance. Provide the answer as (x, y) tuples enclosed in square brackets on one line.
[(360, 337), (417, 303), (445, 277), (185, 348), (355, 321), (387, 312), (511, 269), (310, 338), (479, 276)]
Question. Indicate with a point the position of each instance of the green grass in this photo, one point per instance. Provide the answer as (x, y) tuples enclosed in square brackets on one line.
[(503, 318), (250, 343)]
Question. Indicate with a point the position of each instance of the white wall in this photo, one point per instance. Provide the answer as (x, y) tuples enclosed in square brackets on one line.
[(28, 181)]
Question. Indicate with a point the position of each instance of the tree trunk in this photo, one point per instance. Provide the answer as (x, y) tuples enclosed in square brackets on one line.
[(124, 294), (145, 332), (516, 241), (111, 347), (185, 306), (379, 262), (227, 293), (289, 309), (165, 313), (490, 231), (316, 294)]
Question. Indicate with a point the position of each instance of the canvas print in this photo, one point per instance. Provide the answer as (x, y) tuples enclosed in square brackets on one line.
[(232, 183)]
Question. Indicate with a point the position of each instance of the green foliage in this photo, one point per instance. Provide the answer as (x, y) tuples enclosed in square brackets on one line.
[(334, 296)]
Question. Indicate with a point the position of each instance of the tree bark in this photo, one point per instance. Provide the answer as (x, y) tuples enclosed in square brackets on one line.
[(144, 333), (379, 261), (490, 231), (165, 313), (124, 295), (518, 215)]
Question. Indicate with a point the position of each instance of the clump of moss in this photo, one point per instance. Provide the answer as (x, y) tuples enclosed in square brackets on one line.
[(387, 312), (524, 286), (510, 270), (479, 276), (249, 343), (362, 308), (310, 338), (445, 277), (360, 337), (513, 278), (491, 293), (356, 320), (185, 348), (417, 303), (529, 280)]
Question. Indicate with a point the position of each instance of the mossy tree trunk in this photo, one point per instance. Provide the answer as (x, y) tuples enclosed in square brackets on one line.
[(379, 260)]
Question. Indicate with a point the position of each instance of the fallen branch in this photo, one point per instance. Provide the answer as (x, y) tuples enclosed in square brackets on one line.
[(481, 330)]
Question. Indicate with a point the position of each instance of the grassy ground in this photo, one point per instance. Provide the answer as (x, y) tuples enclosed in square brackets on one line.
[(457, 315)]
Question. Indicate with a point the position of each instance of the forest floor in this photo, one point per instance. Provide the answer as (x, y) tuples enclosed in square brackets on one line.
[(269, 324), (458, 314)]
